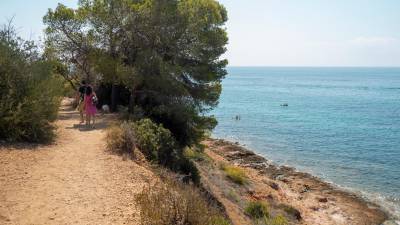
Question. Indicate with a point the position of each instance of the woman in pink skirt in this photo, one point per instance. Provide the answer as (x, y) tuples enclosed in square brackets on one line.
[(90, 105)]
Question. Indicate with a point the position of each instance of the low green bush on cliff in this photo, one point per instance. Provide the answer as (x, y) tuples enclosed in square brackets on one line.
[(277, 220), (260, 213), (154, 141), (257, 210), (234, 173), (197, 155)]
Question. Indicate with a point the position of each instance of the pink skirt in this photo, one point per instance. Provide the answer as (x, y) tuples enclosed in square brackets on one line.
[(90, 109)]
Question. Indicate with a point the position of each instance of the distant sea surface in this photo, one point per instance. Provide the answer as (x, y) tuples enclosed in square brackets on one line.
[(341, 124)]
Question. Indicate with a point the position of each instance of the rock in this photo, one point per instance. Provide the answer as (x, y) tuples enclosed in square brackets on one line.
[(279, 177), (274, 186), (323, 200), (251, 192), (315, 208), (293, 212), (391, 222), (305, 189)]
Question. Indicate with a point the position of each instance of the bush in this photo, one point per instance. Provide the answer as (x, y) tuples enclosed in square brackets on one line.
[(173, 203), (236, 174), (186, 166), (219, 220), (196, 155), (155, 141), (278, 220), (257, 210), (29, 91), (121, 138)]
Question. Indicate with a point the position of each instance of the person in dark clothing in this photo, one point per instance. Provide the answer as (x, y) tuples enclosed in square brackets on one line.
[(80, 99)]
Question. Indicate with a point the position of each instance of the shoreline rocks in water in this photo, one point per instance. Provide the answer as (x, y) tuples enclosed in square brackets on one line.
[(316, 201)]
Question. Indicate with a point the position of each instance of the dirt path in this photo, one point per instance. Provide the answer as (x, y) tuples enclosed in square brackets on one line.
[(74, 181)]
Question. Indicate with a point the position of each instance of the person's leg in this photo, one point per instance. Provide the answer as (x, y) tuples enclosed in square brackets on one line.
[(87, 119), (94, 119), (82, 118), (80, 107)]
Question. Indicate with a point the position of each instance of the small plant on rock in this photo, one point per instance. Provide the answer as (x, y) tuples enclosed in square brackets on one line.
[(277, 220), (234, 173), (257, 210)]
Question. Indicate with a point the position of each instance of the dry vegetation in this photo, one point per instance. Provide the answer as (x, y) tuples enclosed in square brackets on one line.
[(170, 201), (175, 203)]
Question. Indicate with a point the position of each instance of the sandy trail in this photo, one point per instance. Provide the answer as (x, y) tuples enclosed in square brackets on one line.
[(74, 181)]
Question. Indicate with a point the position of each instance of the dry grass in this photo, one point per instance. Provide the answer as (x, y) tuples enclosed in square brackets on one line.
[(173, 203), (234, 173), (120, 138)]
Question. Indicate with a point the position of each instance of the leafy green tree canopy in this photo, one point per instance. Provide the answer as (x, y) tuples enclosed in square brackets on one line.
[(167, 52)]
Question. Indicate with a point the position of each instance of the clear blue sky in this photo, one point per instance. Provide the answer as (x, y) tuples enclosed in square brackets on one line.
[(281, 32)]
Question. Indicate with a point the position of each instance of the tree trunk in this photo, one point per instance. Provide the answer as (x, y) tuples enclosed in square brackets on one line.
[(114, 99), (131, 102)]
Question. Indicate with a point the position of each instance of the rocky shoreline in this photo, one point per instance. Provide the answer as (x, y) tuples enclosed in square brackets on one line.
[(317, 201)]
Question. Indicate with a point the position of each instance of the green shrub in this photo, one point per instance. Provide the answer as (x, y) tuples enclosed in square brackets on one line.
[(155, 142), (257, 210), (68, 90), (196, 155), (29, 92), (277, 220), (219, 220), (121, 138), (173, 203), (186, 166), (234, 173)]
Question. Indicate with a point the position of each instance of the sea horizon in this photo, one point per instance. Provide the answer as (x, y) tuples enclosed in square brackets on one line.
[(289, 66)]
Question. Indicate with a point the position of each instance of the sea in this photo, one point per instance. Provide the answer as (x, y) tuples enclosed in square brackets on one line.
[(341, 124)]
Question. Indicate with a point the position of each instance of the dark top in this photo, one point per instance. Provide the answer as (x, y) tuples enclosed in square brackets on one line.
[(82, 90)]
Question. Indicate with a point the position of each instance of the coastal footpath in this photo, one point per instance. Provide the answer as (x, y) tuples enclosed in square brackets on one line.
[(72, 181)]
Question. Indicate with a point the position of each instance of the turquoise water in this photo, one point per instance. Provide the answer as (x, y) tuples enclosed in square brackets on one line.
[(341, 124)]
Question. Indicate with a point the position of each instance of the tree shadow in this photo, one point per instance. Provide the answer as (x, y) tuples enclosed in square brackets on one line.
[(67, 113), (99, 125), (21, 146)]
